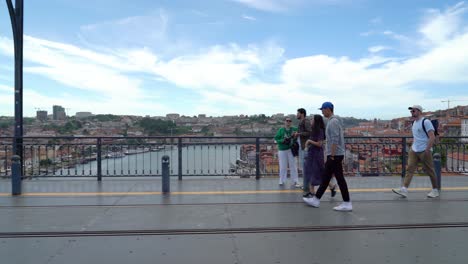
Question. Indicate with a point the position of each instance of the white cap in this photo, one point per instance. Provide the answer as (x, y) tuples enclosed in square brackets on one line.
[(416, 107)]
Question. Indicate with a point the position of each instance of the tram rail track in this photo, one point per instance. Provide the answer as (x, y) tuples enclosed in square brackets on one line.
[(226, 231), (215, 204)]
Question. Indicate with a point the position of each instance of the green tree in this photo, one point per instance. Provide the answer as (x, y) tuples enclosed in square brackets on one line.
[(6, 123), (70, 127), (28, 120), (155, 127), (104, 118), (259, 118), (183, 130)]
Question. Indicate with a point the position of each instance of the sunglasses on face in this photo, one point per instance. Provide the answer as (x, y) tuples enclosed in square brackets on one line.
[(288, 120)]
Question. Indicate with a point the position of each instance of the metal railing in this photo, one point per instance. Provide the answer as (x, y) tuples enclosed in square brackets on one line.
[(205, 156)]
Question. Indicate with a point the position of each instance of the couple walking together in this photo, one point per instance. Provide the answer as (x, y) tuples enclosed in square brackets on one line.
[(316, 170)]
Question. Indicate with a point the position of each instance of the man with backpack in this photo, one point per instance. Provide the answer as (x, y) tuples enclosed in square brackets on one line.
[(423, 140)]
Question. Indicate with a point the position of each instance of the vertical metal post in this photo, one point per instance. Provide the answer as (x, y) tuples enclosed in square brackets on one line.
[(99, 159), (16, 175), (438, 169), (358, 173), (16, 17), (403, 158), (257, 158), (179, 156), (166, 188)]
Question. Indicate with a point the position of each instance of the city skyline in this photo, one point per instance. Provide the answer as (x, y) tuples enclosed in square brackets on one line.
[(372, 59), (82, 114)]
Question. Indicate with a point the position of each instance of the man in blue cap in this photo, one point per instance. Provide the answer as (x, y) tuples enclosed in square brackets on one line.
[(335, 150)]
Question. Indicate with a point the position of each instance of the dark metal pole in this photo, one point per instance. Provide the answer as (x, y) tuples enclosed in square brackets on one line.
[(179, 154), (99, 159), (16, 175), (16, 17), (166, 188), (257, 158)]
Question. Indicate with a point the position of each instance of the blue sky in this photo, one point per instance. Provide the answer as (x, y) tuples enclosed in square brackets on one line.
[(371, 58)]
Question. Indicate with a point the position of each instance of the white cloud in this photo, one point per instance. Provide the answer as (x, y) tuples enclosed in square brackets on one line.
[(6, 100), (376, 49), (389, 83), (281, 6), (99, 105), (265, 5), (251, 18), (439, 26), (275, 6), (447, 63), (7, 75), (252, 79), (220, 68), (436, 28), (79, 68), (106, 75), (155, 31), (367, 33), (130, 31), (402, 38), (4, 88)]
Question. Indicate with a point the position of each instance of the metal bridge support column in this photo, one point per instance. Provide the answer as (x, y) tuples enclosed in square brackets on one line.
[(257, 158), (179, 156), (17, 18), (166, 188), (99, 159), (16, 175)]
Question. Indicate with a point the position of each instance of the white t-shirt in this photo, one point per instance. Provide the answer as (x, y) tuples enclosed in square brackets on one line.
[(419, 136)]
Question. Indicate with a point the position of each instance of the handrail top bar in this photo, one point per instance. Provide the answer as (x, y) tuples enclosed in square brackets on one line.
[(195, 137)]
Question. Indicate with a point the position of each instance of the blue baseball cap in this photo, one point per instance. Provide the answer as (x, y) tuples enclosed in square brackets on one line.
[(326, 105)]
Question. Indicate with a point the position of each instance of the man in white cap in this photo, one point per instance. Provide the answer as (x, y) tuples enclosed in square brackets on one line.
[(423, 139)]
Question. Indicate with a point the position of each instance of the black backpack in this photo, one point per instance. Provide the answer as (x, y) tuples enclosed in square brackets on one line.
[(435, 124)]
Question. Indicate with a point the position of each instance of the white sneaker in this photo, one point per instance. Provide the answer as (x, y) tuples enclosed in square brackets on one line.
[(344, 207), (402, 192), (297, 185), (281, 183), (313, 201), (433, 194)]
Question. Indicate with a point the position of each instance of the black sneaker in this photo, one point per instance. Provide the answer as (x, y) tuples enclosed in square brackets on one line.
[(333, 191), (307, 194)]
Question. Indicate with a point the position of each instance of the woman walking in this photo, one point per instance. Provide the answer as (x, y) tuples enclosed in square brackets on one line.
[(314, 158)]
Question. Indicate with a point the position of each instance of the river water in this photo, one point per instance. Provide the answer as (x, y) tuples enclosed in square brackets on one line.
[(196, 160)]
